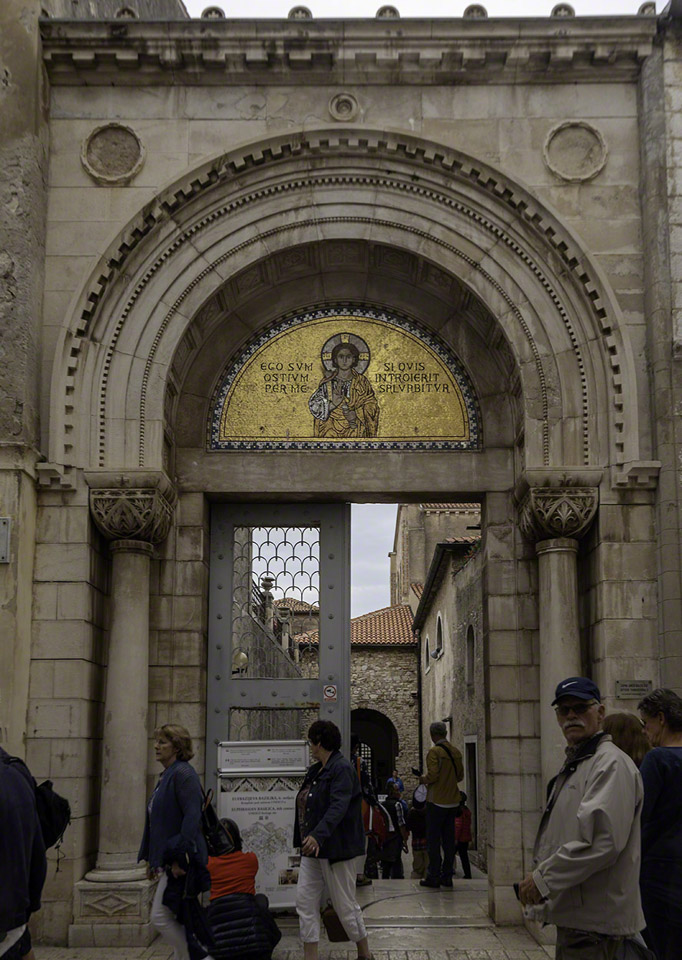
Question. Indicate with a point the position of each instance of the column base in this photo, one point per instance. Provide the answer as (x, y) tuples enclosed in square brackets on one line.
[(112, 913)]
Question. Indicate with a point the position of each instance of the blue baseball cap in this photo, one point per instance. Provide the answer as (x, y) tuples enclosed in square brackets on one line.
[(580, 687)]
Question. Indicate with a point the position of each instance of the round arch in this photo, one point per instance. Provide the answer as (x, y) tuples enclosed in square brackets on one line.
[(154, 301), (378, 732)]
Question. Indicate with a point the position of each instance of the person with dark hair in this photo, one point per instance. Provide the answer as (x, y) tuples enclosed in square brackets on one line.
[(416, 826), (396, 841), (369, 807), (172, 832), (661, 874), (344, 404), (239, 917), (463, 835), (444, 770), (22, 855), (329, 830), (627, 733)]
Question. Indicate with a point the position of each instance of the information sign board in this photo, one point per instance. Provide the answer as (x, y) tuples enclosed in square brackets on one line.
[(263, 756), (257, 787)]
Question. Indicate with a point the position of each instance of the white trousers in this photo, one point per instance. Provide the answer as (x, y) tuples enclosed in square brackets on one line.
[(339, 880), (164, 921)]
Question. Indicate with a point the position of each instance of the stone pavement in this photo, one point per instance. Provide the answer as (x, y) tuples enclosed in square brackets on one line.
[(404, 922)]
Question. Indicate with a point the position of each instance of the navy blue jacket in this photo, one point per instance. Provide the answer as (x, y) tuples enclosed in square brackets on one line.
[(22, 851), (241, 929), (176, 815), (333, 812)]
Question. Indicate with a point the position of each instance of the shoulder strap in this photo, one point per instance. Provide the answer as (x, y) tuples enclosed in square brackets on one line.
[(452, 759)]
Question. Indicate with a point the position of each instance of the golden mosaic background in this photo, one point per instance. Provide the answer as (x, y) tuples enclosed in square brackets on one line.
[(417, 395)]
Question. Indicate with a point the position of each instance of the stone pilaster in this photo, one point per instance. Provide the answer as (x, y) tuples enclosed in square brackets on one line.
[(555, 518), (112, 903)]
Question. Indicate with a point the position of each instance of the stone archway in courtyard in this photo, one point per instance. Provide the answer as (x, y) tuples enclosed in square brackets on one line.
[(377, 731), (387, 221)]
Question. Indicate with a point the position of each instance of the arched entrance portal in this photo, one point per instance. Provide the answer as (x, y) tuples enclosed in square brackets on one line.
[(376, 730), (399, 224)]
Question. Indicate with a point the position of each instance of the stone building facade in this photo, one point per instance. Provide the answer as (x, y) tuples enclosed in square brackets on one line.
[(170, 189)]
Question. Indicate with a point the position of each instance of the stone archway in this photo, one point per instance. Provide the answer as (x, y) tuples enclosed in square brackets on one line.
[(396, 222), (378, 732)]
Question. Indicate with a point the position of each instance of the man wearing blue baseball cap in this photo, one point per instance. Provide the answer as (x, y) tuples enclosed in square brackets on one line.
[(585, 876)]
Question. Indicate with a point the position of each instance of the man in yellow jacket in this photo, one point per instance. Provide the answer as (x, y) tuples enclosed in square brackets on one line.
[(443, 772)]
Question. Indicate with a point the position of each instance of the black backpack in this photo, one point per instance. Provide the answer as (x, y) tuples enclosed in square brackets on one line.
[(54, 811)]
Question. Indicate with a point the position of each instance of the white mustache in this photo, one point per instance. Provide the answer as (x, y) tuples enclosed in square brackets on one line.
[(572, 723)]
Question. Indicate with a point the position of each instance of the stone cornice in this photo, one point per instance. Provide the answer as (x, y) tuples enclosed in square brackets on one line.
[(200, 52)]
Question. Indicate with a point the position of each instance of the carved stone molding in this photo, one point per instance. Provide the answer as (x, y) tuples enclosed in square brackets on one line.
[(550, 512), (457, 167), (130, 510)]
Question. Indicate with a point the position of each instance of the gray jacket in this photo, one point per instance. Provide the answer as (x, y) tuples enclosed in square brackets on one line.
[(587, 849)]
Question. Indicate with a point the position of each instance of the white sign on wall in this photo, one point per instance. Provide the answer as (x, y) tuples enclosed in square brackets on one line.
[(261, 799)]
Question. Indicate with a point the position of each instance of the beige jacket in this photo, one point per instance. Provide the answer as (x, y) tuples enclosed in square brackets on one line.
[(440, 776), (587, 849)]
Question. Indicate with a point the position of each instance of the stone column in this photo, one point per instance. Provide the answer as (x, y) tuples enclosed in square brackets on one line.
[(112, 903), (555, 517)]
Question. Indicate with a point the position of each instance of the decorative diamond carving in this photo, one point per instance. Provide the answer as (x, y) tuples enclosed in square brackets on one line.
[(111, 904), (549, 512)]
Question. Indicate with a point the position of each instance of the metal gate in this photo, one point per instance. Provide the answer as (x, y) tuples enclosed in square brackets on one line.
[(279, 621)]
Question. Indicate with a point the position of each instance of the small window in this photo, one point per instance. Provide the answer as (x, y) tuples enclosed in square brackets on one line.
[(438, 651), (471, 655), (427, 654)]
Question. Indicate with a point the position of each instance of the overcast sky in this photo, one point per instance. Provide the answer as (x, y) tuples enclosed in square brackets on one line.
[(372, 529), (412, 8)]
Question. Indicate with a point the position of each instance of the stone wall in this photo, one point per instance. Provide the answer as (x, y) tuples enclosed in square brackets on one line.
[(23, 206), (449, 689), (68, 676), (385, 679)]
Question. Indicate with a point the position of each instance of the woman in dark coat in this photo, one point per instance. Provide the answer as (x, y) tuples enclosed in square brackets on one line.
[(328, 828), (173, 822), (661, 873)]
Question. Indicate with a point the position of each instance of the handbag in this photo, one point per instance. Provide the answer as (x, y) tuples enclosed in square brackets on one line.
[(219, 840), (332, 924)]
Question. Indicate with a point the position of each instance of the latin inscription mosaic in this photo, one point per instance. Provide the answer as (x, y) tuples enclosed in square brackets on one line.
[(345, 378)]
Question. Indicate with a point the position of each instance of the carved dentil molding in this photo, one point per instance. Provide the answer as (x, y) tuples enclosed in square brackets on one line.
[(550, 512), (131, 514)]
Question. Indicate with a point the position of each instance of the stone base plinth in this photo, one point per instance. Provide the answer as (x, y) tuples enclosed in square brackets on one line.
[(112, 914)]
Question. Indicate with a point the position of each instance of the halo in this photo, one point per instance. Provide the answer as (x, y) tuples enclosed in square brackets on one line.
[(363, 350)]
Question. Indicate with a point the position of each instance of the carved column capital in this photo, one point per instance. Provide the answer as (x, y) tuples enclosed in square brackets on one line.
[(550, 512), (132, 507)]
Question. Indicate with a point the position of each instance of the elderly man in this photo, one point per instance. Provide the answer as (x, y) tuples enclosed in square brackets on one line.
[(586, 856), (443, 771)]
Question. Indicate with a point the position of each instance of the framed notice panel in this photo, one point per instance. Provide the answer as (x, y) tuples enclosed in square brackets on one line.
[(257, 786)]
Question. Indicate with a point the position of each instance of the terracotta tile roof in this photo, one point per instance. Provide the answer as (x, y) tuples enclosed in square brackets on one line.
[(474, 538), (417, 589), (388, 627), (297, 606)]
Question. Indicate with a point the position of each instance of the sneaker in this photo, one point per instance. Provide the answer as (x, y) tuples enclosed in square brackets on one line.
[(430, 883)]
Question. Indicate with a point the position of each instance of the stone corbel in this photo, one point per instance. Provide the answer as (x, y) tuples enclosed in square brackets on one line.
[(561, 505), (137, 505)]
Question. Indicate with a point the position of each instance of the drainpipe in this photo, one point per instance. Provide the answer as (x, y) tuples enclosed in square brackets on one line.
[(418, 635)]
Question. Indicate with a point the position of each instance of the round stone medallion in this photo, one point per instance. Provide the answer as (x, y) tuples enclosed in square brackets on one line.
[(343, 106), (575, 151), (112, 154)]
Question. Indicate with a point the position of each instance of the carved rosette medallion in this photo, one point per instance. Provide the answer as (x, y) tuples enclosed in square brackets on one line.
[(575, 151), (112, 154), (550, 512), (132, 514)]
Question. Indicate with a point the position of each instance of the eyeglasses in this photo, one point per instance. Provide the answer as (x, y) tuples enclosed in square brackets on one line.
[(563, 709)]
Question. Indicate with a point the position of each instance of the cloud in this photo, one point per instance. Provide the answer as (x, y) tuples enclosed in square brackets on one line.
[(372, 531)]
